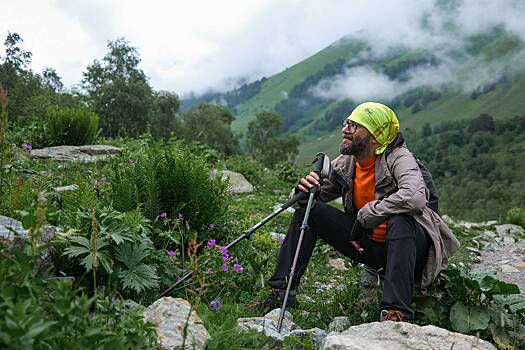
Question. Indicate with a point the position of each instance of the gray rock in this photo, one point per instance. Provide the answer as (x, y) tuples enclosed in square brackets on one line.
[(11, 228), (238, 183), (508, 229), (82, 154), (277, 237), (268, 324), (66, 188), (338, 324), (170, 316), (401, 336)]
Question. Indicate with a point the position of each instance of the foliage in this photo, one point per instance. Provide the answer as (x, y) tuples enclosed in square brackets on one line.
[(72, 126), (476, 165), (211, 125), (265, 142), (166, 178), (476, 302), (118, 91), (516, 216), (46, 313), (163, 121)]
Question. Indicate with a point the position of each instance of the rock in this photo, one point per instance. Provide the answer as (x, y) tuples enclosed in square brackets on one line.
[(66, 188), (82, 154), (338, 324), (508, 229), (489, 234), (170, 316), (338, 264), (317, 335), (268, 324), (238, 183), (277, 237), (509, 269), (11, 228), (401, 335)]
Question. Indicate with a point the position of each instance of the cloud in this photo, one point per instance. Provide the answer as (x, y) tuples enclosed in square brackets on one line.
[(202, 44), (446, 24)]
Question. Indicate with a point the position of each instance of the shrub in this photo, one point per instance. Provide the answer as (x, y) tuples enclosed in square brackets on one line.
[(72, 126), (516, 216), (164, 179)]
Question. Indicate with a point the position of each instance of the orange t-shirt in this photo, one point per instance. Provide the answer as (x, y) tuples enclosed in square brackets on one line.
[(364, 192)]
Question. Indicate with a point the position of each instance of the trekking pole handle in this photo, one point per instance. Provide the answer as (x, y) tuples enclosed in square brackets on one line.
[(323, 168)]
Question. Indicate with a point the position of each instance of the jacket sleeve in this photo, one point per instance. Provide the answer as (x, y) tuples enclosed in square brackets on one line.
[(410, 197)]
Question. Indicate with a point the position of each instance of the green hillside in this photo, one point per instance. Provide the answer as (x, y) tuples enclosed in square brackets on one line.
[(276, 88)]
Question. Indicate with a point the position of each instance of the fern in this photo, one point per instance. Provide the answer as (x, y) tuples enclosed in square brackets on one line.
[(138, 276)]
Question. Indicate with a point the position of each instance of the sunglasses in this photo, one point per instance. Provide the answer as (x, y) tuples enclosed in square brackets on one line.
[(352, 127)]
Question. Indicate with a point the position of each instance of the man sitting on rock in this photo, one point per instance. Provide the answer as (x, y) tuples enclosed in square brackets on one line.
[(387, 223)]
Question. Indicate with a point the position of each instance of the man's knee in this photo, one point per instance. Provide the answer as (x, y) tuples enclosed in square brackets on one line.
[(401, 226)]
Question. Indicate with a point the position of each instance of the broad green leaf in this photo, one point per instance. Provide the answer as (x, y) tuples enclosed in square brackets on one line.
[(83, 241), (465, 319), (38, 328), (139, 278), (75, 251), (514, 302)]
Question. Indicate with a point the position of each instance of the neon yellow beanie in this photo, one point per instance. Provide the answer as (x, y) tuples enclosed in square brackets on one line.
[(379, 119)]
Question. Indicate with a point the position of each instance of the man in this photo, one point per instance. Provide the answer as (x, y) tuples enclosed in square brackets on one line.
[(386, 224)]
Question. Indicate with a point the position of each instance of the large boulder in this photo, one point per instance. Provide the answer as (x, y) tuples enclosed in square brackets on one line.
[(82, 154), (170, 316), (401, 336), (238, 183)]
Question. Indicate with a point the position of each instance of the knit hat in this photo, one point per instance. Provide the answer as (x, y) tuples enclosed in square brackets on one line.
[(380, 120)]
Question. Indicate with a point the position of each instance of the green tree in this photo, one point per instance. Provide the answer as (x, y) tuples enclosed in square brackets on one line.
[(211, 125), (266, 142), (118, 91), (164, 120)]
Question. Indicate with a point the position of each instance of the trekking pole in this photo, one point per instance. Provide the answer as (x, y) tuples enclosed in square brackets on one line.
[(322, 164), (245, 235)]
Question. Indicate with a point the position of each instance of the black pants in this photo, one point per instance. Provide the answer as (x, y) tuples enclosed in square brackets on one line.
[(402, 256)]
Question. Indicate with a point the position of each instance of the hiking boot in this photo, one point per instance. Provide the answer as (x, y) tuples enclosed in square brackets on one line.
[(275, 299), (393, 315)]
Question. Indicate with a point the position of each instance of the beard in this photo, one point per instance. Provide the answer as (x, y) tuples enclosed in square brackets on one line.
[(355, 148)]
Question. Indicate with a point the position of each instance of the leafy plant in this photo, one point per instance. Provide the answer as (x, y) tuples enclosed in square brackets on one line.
[(72, 126), (476, 302), (516, 216), (136, 275)]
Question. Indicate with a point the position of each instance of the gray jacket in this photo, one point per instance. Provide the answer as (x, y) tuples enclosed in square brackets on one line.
[(400, 189)]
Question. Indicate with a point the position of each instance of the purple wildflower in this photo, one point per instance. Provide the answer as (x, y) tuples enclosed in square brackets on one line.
[(171, 253), (236, 260), (14, 147), (223, 250), (226, 257), (225, 267), (27, 147), (211, 226), (209, 270), (211, 243), (163, 215), (221, 283), (215, 305), (238, 268)]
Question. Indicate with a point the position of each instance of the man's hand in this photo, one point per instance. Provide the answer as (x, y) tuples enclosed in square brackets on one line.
[(309, 181), (357, 232)]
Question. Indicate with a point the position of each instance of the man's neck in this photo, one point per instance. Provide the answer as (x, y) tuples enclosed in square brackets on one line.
[(365, 155)]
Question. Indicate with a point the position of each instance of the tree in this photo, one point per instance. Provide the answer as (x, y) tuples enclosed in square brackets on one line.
[(211, 125), (265, 142), (118, 91), (164, 120)]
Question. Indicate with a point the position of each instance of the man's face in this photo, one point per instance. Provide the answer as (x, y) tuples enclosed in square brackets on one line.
[(356, 139)]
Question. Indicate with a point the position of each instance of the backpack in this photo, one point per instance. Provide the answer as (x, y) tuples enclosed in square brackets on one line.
[(433, 201)]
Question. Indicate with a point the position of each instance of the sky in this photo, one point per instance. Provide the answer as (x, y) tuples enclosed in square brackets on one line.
[(202, 45)]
